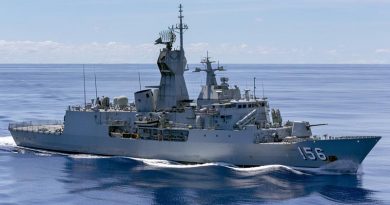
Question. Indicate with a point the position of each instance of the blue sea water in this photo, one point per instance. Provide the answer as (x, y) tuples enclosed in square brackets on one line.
[(352, 99)]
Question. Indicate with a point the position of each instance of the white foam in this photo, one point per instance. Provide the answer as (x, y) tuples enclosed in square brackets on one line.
[(259, 169), (37, 152), (43, 154), (170, 164), (266, 168), (335, 168), (86, 156), (7, 141)]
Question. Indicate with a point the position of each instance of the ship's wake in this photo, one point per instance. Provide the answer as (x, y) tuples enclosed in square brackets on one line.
[(7, 141), (335, 168), (157, 163), (8, 144)]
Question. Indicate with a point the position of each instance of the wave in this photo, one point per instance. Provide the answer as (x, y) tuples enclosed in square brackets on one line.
[(257, 169), (339, 167), (87, 156), (268, 168), (7, 141), (170, 164)]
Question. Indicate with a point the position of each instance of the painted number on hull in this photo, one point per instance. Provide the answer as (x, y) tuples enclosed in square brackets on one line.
[(311, 154)]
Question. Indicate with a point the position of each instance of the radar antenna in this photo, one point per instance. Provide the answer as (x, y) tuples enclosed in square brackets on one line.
[(167, 37)]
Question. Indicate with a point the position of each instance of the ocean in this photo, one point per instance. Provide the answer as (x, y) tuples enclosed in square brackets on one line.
[(352, 99)]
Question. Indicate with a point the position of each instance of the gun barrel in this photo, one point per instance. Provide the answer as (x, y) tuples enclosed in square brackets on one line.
[(314, 125)]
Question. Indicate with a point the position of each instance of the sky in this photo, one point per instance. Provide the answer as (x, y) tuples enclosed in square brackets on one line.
[(232, 31)]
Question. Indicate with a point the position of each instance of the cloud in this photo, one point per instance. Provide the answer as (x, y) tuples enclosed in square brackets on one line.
[(116, 52), (382, 50), (197, 47), (55, 52), (119, 52)]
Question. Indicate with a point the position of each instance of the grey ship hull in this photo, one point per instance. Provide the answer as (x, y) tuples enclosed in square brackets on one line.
[(201, 147)]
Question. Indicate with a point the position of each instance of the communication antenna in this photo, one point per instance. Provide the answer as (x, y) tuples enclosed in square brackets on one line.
[(139, 80), (262, 85), (181, 27), (254, 88), (94, 72), (85, 95)]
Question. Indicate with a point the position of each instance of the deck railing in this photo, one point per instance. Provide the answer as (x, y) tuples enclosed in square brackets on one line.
[(46, 127), (258, 140)]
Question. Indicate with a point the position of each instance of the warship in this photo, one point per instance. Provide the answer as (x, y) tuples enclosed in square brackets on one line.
[(222, 125)]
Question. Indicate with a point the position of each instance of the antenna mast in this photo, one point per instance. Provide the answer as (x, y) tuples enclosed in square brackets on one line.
[(254, 88), (85, 95), (262, 85), (139, 80), (181, 26), (95, 84)]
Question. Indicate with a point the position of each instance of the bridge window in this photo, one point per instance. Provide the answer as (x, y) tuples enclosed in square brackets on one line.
[(262, 104)]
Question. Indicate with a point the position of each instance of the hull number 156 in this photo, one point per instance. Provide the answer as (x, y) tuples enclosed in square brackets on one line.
[(311, 154)]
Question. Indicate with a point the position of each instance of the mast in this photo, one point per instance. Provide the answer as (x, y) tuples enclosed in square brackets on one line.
[(94, 72), (181, 27), (85, 95), (139, 80), (254, 88), (262, 85), (210, 71), (172, 91)]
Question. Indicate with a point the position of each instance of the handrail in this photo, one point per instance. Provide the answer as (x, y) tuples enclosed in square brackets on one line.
[(35, 123), (46, 127)]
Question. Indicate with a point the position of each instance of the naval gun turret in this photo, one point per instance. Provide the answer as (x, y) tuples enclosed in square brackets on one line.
[(172, 91), (212, 92)]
